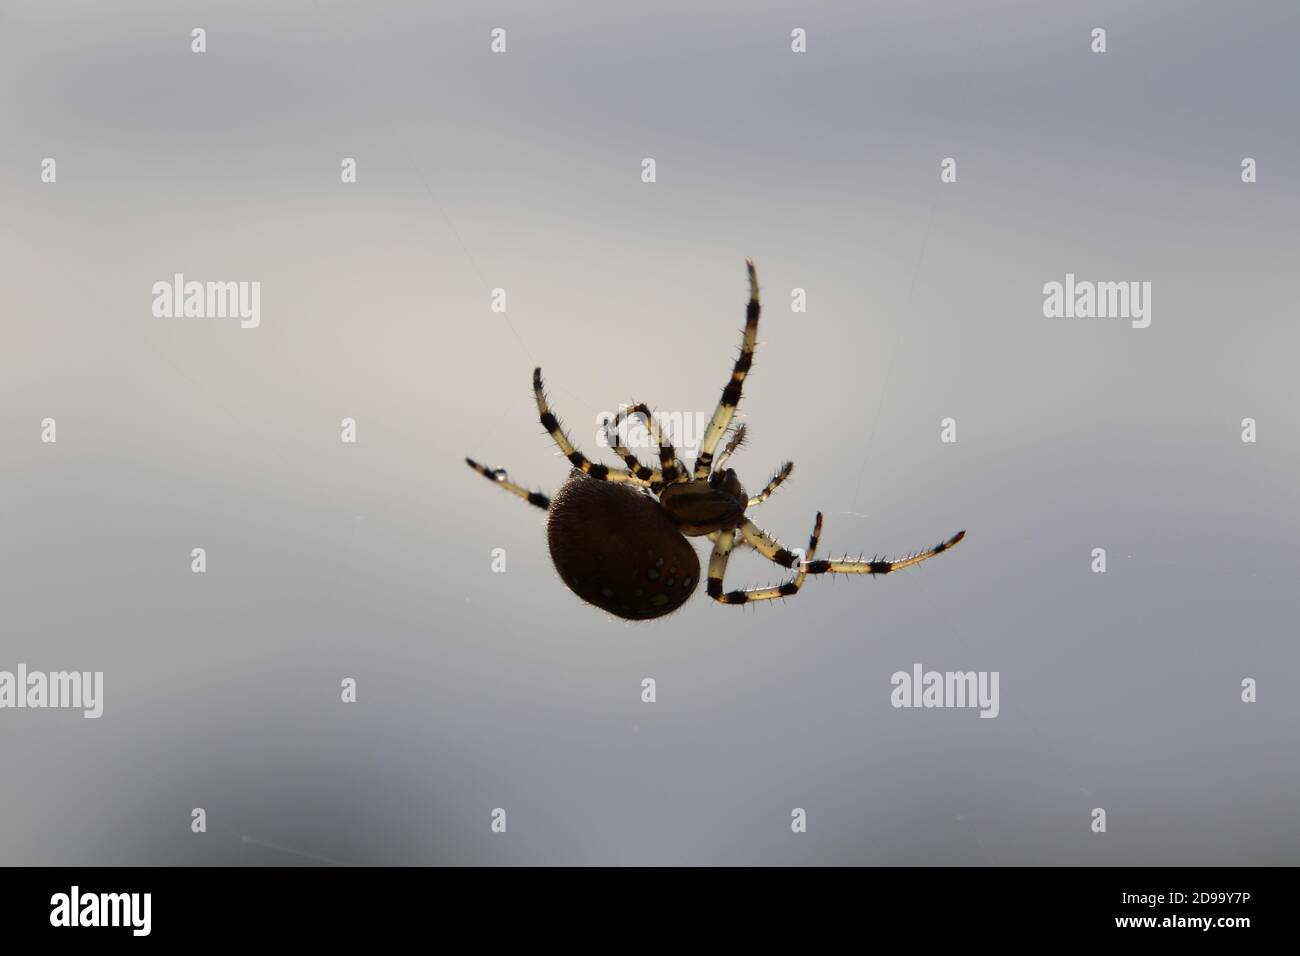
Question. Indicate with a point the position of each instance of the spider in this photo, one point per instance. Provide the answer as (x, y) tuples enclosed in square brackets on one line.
[(618, 536)]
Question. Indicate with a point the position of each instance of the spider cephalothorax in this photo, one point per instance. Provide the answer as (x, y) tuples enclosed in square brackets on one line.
[(618, 536)]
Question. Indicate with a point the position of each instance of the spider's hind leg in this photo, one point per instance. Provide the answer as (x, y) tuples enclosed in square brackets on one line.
[(499, 478), (576, 458), (669, 470)]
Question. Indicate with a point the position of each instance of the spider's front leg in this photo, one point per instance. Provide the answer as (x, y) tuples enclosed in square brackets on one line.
[(499, 478), (721, 419), (771, 549), (576, 458)]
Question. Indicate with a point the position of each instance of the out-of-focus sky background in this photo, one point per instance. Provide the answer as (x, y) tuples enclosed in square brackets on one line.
[(480, 690)]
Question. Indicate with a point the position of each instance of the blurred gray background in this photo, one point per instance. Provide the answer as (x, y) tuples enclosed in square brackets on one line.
[(480, 690)]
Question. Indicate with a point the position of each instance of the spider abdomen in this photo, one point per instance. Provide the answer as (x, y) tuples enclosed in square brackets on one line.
[(617, 549)]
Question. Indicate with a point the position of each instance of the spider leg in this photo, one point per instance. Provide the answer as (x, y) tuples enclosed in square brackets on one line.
[(576, 458), (717, 426), (771, 549), (737, 539), (772, 485), (768, 546), (723, 542), (877, 567), (499, 478), (737, 439), (669, 471), (649, 475)]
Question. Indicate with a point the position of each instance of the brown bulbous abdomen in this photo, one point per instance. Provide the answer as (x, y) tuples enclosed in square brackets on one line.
[(617, 549)]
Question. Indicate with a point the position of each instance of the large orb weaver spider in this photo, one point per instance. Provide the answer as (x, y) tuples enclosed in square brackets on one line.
[(618, 537)]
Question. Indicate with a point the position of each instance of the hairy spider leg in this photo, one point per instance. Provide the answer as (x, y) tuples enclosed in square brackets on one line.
[(846, 566), (721, 420), (737, 439), (576, 458), (777, 480), (668, 471), (771, 549), (499, 478)]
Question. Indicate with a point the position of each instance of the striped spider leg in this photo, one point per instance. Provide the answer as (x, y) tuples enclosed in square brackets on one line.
[(777, 480), (768, 547), (551, 423), (670, 470), (721, 419), (878, 566), (499, 478), (737, 439), (772, 549), (576, 458)]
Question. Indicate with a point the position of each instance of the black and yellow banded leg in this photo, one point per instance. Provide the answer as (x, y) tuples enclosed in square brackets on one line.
[(772, 485), (669, 470), (737, 439), (770, 548), (737, 539), (576, 458), (723, 542), (499, 478), (648, 475), (721, 420), (878, 566)]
